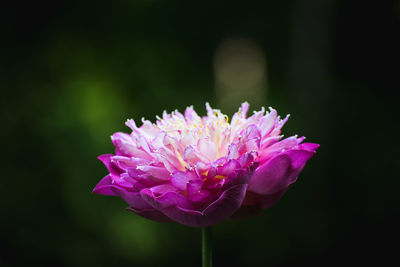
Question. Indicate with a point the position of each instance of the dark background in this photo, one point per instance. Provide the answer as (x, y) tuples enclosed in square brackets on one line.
[(72, 72)]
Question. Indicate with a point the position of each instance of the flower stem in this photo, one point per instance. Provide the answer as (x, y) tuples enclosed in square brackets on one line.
[(206, 235)]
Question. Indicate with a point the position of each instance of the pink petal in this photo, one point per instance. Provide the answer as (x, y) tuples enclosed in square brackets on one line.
[(268, 122), (272, 176), (195, 191), (125, 146), (233, 151), (156, 172), (107, 187), (201, 168), (165, 199), (207, 148), (162, 189), (149, 130), (229, 167), (141, 177), (188, 139), (103, 187), (219, 210), (191, 115), (309, 146), (192, 156), (128, 162), (246, 159), (299, 159), (279, 172), (111, 166), (244, 108), (210, 111), (181, 179)]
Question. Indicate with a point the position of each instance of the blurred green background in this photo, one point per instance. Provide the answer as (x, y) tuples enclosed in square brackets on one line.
[(73, 71)]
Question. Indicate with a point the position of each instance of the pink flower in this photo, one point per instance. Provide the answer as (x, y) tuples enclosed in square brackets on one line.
[(199, 171)]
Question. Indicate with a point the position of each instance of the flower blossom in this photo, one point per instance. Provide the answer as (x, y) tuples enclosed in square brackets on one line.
[(199, 171)]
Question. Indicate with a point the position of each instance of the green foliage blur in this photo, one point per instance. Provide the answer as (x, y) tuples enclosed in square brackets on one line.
[(72, 72)]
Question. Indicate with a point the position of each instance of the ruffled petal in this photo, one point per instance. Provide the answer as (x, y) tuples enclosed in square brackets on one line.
[(183, 210), (159, 173), (309, 146), (195, 191), (279, 172), (246, 159), (233, 152), (207, 148), (111, 166), (228, 168), (164, 200), (108, 187), (103, 187), (268, 122), (271, 176), (181, 179), (125, 146), (298, 159), (192, 156), (221, 209), (128, 162), (191, 115)]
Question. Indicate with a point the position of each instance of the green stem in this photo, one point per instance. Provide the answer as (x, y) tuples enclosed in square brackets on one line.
[(206, 235)]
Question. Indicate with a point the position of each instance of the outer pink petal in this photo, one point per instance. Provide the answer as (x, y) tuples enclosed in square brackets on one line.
[(279, 172), (267, 122), (271, 176), (128, 162), (167, 199), (137, 204), (181, 179), (228, 168), (309, 146), (161, 189), (221, 209), (106, 187), (196, 193), (233, 151), (103, 187), (125, 146), (111, 166), (193, 156), (185, 211), (299, 159), (246, 159), (134, 199), (159, 173), (191, 115), (207, 148)]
